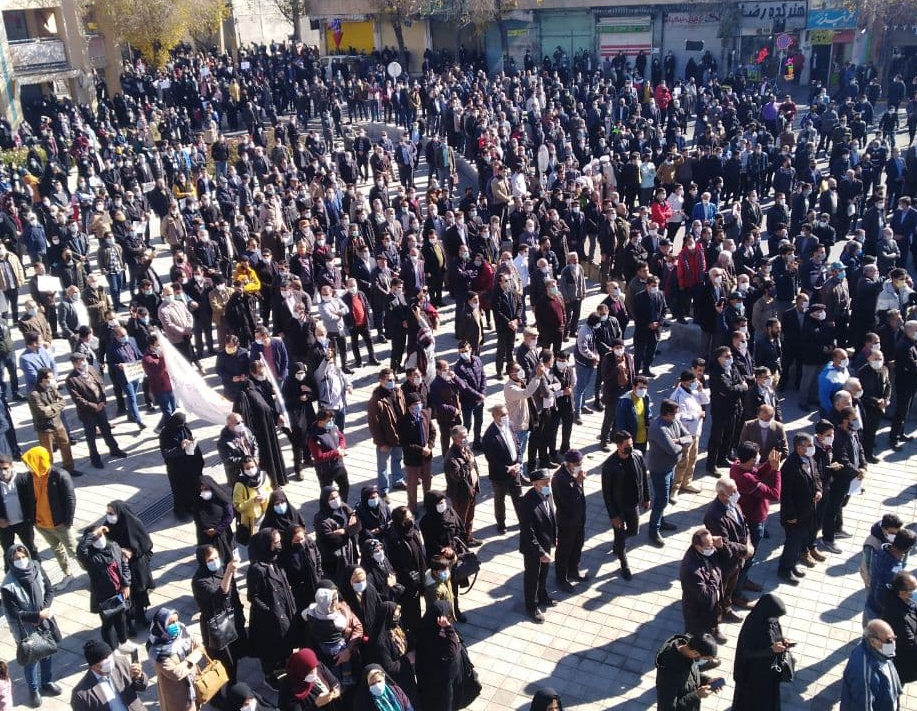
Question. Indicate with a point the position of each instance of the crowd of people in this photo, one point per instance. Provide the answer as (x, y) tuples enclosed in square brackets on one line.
[(779, 240)]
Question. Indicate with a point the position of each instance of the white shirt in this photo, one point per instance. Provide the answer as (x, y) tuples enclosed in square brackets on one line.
[(110, 693), (689, 408), (510, 440)]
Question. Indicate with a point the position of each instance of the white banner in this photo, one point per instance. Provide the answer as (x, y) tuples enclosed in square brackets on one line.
[(195, 396)]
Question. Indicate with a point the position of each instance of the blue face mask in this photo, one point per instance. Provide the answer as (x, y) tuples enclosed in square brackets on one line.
[(280, 508), (329, 425), (390, 384), (545, 491), (416, 411), (373, 503), (443, 575), (172, 630), (123, 339)]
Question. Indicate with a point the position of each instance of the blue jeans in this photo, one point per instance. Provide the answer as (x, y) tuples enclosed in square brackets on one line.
[(167, 404), (585, 377), (523, 438), (339, 416), (30, 672), (388, 468), (130, 399), (756, 534), (662, 487), (115, 286)]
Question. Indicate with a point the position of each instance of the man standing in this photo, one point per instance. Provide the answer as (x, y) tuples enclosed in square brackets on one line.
[(110, 683), (507, 311), (551, 317), (504, 464), (123, 352), (55, 506), (765, 432), (667, 440), (463, 483), (905, 381), (17, 509), (701, 576), (47, 405), (417, 436), (445, 401), (625, 488), (537, 536), (723, 517), (570, 501), (386, 405), (801, 490), (470, 370), (870, 681), (88, 394), (679, 684), (691, 396), (649, 308), (727, 387)]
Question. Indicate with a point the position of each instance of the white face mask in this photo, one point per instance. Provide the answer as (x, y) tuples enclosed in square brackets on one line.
[(311, 677), (250, 706), (876, 364), (810, 451), (300, 376), (335, 504), (707, 552), (618, 351), (828, 441), (22, 563), (640, 392), (379, 556), (99, 543), (207, 495), (888, 649), (111, 518), (441, 507), (107, 664), (764, 424), (734, 498)]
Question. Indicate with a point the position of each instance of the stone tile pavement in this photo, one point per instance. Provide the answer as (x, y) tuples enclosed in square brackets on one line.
[(598, 646)]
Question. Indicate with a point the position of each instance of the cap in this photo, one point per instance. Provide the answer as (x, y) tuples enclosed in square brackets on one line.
[(77, 356), (838, 266), (540, 475), (574, 456), (412, 398), (736, 295), (95, 651)]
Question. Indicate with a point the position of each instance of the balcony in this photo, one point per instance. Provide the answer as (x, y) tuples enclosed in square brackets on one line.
[(39, 56)]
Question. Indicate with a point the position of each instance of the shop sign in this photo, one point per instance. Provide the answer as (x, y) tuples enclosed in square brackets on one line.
[(834, 19), (691, 20), (821, 37), (762, 16)]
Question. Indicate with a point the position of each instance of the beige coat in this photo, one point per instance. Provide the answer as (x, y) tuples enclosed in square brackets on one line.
[(173, 680), (517, 405)]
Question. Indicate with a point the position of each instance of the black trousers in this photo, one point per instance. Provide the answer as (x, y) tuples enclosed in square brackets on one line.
[(505, 343), (98, 423), (570, 540), (543, 439), (630, 519), (334, 474), (26, 533), (833, 516), (502, 489), (904, 396), (534, 580), (114, 630), (722, 431), (355, 333), (792, 546), (563, 420), (871, 421), (399, 339)]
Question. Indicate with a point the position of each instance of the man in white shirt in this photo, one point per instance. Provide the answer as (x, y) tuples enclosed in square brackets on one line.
[(110, 684), (691, 397)]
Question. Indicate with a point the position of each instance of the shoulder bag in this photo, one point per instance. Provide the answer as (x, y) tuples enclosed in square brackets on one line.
[(209, 680)]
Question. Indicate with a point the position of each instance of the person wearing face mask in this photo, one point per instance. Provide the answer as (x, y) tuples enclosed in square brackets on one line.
[(240, 313), (761, 640), (109, 676), (240, 697), (417, 436), (235, 442), (883, 531), (272, 351), (357, 319), (27, 595), (213, 516), (406, 552), (337, 528), (890, 559), (832, 378), (281, 515), (633, 412), (551, 317), (126, 529), (905, 358), (260, 407), (109, 583), (272, 626), (537, 538), (160, 385), (439, 585), (874, 378), (214, 589), (184, 462), (176, 654), (374, 513), (649, 309), (88, 394), (378, 691), (250, 496), (870, 681), (727, 388), (297, 392), (900, 612), (765, 431), (302, 563), (679, 682), (309, 685), (801, 491), (702, 574), (121, 352)]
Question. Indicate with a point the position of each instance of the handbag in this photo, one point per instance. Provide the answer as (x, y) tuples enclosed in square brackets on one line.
[(37, 646), (471, 685), (784, 667), (467, 565), (209, 680), (243, 533), (221, 629), (112, 607)]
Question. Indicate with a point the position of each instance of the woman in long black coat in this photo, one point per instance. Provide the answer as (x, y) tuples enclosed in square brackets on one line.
[(439, 660), (379, 570), (373, 512), (184, 469), (125, 529), (261, 418), (362, 597), (213, 517), (302, 563), (271, 628), (757, 688), (443, 535), (900, 612), (338, 549), (297, 396), (214, 588), (281, 515), (388, 645), (405, 549)]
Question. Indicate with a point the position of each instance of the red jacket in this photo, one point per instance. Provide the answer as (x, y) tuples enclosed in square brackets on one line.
[(757, 488), (663, 97), (158, 377), (661, 212), (691, 268)]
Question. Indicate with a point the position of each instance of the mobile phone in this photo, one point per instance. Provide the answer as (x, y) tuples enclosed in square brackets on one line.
[(135, 656), (717, 684), (790, 645)]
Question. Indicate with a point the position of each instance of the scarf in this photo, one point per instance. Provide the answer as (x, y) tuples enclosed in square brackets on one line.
[(160, 646)]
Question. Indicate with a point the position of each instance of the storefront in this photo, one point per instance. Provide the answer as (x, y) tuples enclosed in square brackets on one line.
[(760, 25), (629, 35), (688, 35), (572, 31), (831, 36)]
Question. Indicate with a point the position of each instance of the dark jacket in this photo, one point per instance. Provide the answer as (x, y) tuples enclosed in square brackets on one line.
[(702, 587), (415, 435), (61, 497), (86, 390), (720, 520), (537, 524), (498, 455), (902, 616), (677, 679), (461, 471), (569, 500), (625, 483), (799, 484)]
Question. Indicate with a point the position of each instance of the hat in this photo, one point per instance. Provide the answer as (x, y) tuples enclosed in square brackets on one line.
[(574, 456), (77, 356), (95, 651), (665, 242), (540, 475), (735, 295), (412, 398), (838, 266)]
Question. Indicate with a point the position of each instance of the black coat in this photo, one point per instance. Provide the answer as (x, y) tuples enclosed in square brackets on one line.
[(271, 618), (498, 455), (537, 524), (731, 525), (902, 616), (624, 487), (799, 483), (677, 679), (569, 500), (702, 587)]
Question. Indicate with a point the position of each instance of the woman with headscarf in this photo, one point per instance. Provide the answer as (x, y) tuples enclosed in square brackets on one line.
[(378, 692), (309, 685), (439, 660), (175, 654), (297, 396), (302, 563), (27, 596), (281, 515), (214, 588), (336, 529), (250, 496), (373, 513), (261, 418), (757, 686), (389, 645), (184, 463), (335, 631), (270, 628), (360, 596), (546, 699), (109, 582), (241, 697), (213, 515), (405, 548), (125, 529), (379, 570), (444, 538)]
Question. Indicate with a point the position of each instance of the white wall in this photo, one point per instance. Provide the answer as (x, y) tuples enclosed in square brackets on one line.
[(260, 21)]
